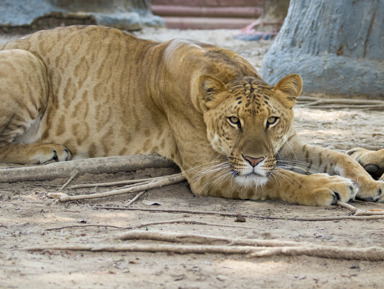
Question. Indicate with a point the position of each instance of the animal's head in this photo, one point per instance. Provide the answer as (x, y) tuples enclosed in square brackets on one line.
[(247, 122)]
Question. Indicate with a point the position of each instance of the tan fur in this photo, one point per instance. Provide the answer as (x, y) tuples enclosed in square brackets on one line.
[(372, 161), (93, 91)]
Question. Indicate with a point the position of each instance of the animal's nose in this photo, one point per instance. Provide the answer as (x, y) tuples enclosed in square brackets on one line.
[(253, 161)]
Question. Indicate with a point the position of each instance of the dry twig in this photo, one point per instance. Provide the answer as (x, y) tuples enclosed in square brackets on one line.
[(154, 248), (368, 254), (261, 217), (331, 252), (249, 247), (110, 184), (134, 199), (159, 182), (202, 239), (188, 222), (83, 226), (325, 103), (359, 212), (177, 221), (94, 166), (69, 181), (363, 107)]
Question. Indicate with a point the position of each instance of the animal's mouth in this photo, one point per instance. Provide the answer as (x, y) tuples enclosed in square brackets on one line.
[(251, 179), (253, 175)]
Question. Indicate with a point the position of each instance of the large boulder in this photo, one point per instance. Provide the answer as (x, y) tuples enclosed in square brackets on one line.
[(336, 46)]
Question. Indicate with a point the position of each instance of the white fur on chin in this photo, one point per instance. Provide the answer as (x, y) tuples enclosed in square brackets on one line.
[(251, 180)]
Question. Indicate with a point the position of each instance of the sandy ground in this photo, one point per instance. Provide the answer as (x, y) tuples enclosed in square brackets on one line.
[(28, 218)]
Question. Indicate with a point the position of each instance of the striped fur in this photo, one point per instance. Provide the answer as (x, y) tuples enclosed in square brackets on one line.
[(372, 161), (88, 91)]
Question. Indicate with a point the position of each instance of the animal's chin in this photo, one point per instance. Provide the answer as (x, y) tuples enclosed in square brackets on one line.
[(251, 180)]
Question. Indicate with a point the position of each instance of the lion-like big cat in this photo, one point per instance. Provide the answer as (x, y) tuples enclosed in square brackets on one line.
[(89, 91)]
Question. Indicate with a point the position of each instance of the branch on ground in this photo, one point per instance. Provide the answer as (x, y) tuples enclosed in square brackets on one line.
[(249, 247), (156, 183), (326, 103), (93, 166)]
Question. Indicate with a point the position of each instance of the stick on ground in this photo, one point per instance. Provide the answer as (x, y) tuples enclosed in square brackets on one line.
[(247, 247), (228, 214), (94, 166), (130, 202), (177, 221), (110, 184), (359, 212), (69, 181), (158, 183), (324, 103), (203, 239)]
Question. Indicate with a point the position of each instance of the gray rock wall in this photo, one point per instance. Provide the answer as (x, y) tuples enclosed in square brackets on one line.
[(336, 46), (41, 14)]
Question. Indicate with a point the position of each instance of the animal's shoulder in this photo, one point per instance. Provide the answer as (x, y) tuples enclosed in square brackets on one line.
[(73, 37)]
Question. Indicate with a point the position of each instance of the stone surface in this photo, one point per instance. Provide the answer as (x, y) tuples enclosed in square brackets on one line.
[(336, 46), (41, 14)]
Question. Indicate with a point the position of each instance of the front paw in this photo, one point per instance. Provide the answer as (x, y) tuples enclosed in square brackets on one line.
[(371, 161), (50, 152), (325, 190), (371, 191)]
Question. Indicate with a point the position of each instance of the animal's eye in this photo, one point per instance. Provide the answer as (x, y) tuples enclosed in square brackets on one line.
[(234, 121), (273, 120)]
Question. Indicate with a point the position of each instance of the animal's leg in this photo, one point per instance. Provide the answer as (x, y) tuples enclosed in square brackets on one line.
[(372, 161), (36, 153), (24, 96), (323, 160), (312, 190)]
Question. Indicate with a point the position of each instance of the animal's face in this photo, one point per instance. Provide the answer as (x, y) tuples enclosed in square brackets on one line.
[(247, 122)]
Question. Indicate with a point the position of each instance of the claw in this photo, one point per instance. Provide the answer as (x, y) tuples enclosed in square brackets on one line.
[(69, 154), (55, 156), (367, 199)]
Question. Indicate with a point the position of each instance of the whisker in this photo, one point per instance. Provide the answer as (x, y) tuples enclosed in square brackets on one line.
[(292, 179), (297, 166), (290, 161), (204, 165), (214, 172), (289, 145), (220, 177)]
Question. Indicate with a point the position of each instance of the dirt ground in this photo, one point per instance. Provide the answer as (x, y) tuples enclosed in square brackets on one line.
[(28, 218)]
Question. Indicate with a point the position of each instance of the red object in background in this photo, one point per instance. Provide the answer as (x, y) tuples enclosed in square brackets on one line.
[(208, 14)]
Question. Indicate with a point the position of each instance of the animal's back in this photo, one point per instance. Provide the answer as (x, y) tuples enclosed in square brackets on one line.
[(98, 94), (98, 91)]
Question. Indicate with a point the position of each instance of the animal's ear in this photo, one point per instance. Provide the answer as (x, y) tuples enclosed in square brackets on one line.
[(290, 86), (211, 89)]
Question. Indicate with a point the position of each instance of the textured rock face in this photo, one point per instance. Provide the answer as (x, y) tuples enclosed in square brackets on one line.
[(336, 46), (42, 14)]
